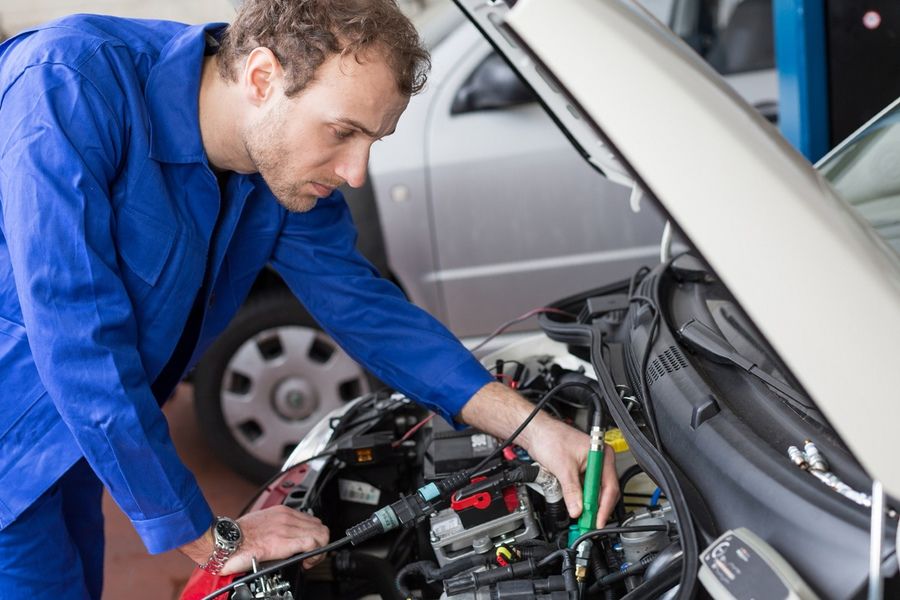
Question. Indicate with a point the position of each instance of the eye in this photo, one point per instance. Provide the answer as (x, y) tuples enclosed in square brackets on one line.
[(342, 134)]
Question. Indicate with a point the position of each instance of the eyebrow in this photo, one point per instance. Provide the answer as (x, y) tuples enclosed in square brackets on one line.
[(361, 127)]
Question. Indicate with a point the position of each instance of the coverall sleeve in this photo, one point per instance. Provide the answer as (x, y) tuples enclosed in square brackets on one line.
[(369, 316), (60, 147)]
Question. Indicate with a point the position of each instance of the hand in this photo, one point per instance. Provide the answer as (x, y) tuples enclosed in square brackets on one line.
[(563, 450), (269, 534)]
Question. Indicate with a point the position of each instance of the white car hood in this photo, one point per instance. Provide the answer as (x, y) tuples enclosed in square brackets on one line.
[(816, 280)]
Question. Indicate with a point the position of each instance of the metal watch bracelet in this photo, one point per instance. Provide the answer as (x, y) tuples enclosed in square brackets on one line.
[(227, 539), (216, 561)]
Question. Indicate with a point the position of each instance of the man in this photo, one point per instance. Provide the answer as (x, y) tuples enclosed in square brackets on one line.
[(148, 172)]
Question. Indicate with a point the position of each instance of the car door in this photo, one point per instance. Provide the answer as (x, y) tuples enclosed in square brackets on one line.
[(514, 208)]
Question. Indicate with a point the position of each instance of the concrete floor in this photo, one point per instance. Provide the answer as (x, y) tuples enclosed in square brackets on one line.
[(129, 571)]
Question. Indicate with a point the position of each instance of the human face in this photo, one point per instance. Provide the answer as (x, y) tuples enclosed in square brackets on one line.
[(307, 145)]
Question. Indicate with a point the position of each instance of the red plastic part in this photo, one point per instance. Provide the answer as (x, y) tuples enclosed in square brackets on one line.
[(202, 584), (480, 500), (511, 498)]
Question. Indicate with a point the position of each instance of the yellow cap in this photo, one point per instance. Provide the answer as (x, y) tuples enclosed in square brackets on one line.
[(615, 439)]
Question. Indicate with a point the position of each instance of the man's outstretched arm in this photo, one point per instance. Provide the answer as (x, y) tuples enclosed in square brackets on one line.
[(408, 349)]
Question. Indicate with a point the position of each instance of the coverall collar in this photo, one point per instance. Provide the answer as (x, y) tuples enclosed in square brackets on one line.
[(172, 94)]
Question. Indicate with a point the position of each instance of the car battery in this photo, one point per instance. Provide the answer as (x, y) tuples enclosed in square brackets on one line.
[(478, 523), (449, 451)]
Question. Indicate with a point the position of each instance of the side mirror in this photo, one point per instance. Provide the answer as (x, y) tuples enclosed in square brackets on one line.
[(492, 85)]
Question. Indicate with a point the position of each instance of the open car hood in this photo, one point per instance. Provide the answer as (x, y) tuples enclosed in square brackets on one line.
[(816, 281)]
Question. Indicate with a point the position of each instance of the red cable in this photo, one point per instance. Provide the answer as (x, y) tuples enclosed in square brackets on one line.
[(413, 429), (528, 315)]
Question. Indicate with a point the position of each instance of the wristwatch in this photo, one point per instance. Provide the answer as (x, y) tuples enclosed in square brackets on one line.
[(227, 538)]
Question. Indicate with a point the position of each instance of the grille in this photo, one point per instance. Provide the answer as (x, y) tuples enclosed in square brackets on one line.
[(669, 361)]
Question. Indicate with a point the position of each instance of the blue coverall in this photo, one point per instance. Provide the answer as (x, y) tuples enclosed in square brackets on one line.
[(111, 221)]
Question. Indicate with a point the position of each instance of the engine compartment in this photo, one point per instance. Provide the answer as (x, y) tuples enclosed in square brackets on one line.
[(438, 513)]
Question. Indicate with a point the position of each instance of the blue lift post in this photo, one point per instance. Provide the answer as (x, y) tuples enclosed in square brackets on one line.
[(800, 56)]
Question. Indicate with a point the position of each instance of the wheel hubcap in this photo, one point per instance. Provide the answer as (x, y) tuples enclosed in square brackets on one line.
[(280, 383), (295, 399)]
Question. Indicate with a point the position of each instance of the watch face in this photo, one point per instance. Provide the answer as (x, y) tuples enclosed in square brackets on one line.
[(228, 530)]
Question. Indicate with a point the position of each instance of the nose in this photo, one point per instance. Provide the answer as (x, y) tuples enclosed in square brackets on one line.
[(353, 164)]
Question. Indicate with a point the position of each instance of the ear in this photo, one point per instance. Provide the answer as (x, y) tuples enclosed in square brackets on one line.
[(262, 76)]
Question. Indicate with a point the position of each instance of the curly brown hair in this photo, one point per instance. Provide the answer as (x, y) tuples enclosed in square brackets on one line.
[(304, 33)]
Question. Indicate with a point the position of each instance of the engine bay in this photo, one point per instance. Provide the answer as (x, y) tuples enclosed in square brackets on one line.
[(435, 512)]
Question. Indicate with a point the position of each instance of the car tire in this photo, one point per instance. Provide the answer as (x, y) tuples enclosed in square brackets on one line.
[(268, 378)]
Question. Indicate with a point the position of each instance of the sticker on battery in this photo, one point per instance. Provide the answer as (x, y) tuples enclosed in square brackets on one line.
[(358, 491), (481, 442)]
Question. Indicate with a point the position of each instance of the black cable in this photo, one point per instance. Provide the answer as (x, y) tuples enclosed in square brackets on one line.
[(342, 428), (645, 359), (553, 556), (336, 423), (400, 542), (598, 407), (493, 368), (610, 530), (318, 486), (629, 474), (277, 566), (632, 283)]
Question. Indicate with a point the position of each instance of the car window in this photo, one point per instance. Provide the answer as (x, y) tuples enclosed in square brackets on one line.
[(492, 85), (661, 9), (734, 36), (865, 172)]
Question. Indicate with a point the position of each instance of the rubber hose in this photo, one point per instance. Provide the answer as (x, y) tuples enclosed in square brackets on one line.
[(580, 394), (670, 553), (557, 516), (628, 475), (405, 573), (568, 572), (431, 572), (600, 570), (665, 579), (538, 551)]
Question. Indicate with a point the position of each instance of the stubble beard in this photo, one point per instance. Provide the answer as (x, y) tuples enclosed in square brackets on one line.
[(265, 148)]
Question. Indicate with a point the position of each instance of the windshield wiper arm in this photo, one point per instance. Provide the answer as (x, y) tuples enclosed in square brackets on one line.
[(702, 338)]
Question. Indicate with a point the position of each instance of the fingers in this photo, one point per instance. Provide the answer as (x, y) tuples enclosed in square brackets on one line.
[(609, 487), (570, 482)]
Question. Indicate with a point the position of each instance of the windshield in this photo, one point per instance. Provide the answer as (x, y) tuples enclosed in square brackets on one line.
[(865, 172)]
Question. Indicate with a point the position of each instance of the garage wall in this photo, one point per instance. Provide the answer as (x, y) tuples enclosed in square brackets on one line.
[(16, 15)]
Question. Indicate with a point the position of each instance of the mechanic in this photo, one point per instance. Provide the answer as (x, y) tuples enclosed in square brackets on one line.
[(148, 171)]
